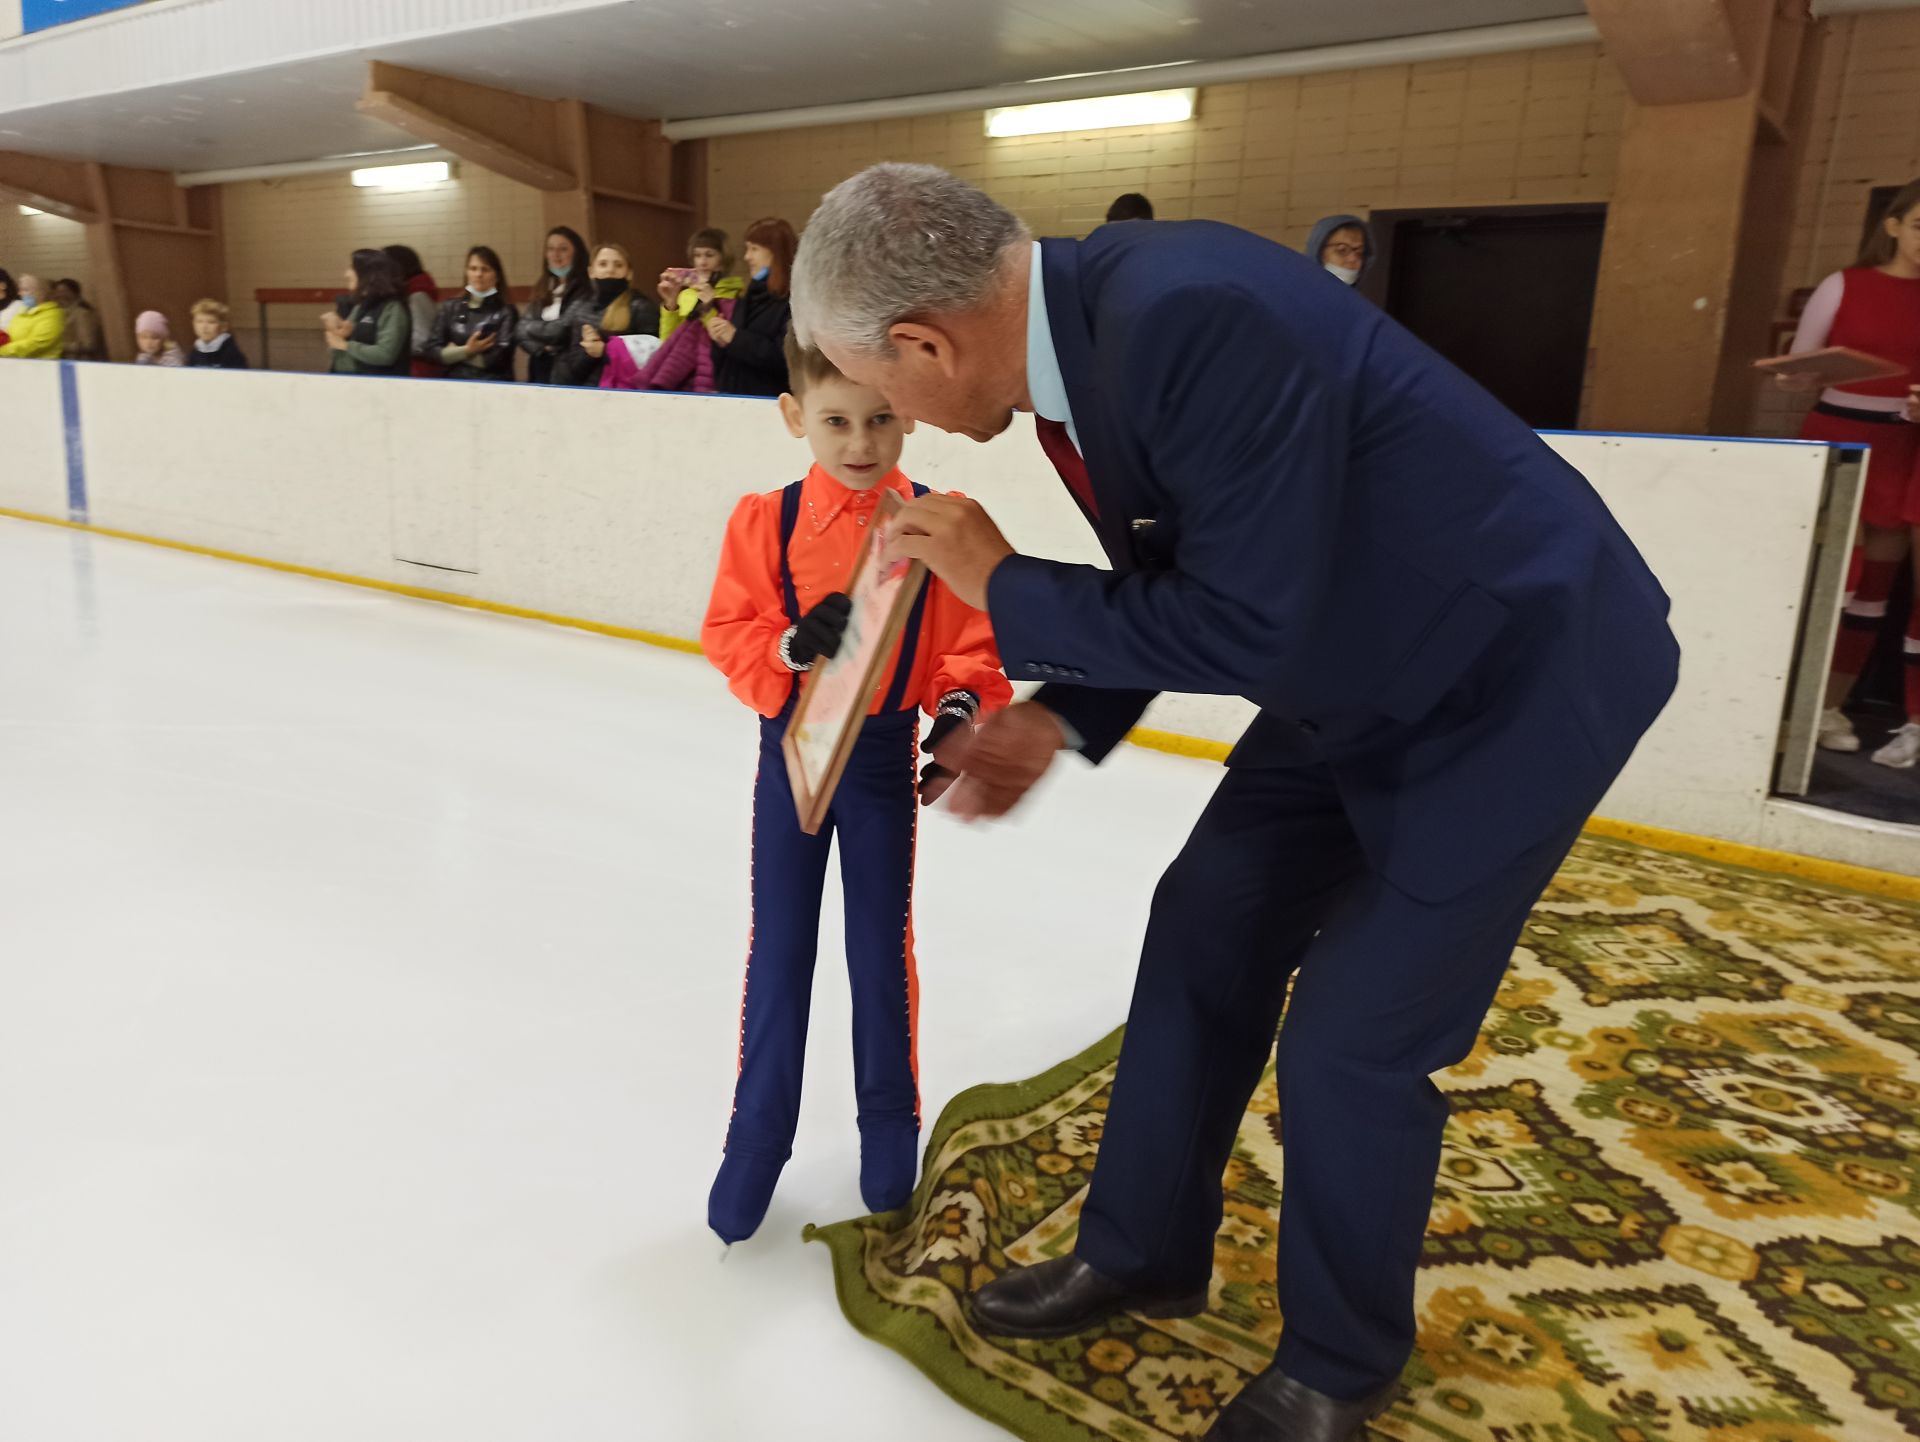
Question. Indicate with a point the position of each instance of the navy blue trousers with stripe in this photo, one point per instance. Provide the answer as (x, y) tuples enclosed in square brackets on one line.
[(874, 815)]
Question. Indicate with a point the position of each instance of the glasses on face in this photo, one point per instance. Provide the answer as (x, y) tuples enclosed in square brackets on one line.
[(1347, 252)]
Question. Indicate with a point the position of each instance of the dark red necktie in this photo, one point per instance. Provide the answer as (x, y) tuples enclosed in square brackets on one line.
[(1059, 447)]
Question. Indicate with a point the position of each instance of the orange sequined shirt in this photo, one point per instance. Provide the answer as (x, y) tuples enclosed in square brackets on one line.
[(747, 614)]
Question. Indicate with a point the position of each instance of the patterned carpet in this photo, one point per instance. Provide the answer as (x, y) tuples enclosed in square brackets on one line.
[(1679, 1199)]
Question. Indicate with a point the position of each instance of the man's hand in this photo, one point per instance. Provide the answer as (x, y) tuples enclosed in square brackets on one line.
[(957, 539), (1000, 760)]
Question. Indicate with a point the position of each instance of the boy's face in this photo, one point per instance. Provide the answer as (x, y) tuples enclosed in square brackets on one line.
[(852, 429), (207, 326)]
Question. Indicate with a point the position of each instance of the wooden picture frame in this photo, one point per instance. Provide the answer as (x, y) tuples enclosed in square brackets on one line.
[(837, 693), (1834, 366)]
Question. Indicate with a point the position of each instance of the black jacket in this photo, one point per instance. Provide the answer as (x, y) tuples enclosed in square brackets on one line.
[(229, 357), (574, 367), (545, 341), (755, 364), (455, 325)]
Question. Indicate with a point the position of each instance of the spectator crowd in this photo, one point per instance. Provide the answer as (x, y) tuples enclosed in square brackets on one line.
[(588, 320), (715, 324)]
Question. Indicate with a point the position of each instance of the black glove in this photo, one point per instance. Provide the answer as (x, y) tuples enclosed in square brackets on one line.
[(820, 630)]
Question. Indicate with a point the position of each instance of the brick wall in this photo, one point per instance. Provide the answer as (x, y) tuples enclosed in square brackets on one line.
[(43, 245), (1271, 155), (302, 230), (1864, 132)]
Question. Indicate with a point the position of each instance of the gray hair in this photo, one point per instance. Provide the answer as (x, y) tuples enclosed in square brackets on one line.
[(896, 241)]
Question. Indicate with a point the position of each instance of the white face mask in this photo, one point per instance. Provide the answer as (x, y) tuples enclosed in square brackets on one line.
[(1351, 277)]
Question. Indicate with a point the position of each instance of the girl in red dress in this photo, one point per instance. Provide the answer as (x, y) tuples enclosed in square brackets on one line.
[(1874, 307)]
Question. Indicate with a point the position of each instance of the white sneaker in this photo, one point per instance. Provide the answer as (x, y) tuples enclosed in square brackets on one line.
[(1902, 749), (1836, 731)]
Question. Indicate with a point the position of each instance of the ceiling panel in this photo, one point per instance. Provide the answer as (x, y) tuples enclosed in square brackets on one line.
[(671, 59)]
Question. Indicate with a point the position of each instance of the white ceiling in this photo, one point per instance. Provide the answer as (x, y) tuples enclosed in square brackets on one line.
[(209, 85)]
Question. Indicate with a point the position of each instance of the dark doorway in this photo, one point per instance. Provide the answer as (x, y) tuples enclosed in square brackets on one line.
[(1506, 294)]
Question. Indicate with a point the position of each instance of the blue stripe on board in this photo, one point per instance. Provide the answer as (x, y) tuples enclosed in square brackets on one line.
[(76, 446)]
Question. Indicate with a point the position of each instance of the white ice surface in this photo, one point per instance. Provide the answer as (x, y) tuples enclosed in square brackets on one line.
[(369, 975)]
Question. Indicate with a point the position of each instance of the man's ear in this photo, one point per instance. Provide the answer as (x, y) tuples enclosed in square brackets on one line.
[(793, 415), (906, 426), (920, 344)]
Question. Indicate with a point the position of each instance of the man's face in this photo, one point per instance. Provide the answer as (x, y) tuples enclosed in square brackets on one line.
[(931, 378)]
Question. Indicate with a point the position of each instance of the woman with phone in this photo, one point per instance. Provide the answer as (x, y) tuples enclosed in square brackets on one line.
[(1874, 307), (473, 335), (701, 283)]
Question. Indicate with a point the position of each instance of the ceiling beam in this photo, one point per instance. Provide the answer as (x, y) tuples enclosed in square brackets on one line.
[(1676, 52), (59, 187), (518, 136)]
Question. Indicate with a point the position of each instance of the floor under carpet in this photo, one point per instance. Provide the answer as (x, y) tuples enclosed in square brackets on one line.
[(1679, 1199)]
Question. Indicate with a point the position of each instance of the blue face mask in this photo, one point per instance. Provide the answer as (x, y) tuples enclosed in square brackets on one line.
[(763, 272), (483, 294), (560, 272)]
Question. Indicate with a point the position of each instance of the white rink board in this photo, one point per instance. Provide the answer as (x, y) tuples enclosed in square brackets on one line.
[(609, 508), (33, 453)]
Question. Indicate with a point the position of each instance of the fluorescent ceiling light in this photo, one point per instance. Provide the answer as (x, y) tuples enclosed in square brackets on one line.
[(29, 210), (1102, 112), (417, 176)]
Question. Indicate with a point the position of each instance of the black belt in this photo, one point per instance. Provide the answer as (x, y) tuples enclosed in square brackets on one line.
[(1848, 413)]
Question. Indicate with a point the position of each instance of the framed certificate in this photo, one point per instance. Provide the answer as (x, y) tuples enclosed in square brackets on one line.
[(836, 694), (1835, 366)]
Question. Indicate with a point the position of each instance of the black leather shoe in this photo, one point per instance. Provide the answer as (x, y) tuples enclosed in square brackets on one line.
[(1275, 1408), (1060, 1297)]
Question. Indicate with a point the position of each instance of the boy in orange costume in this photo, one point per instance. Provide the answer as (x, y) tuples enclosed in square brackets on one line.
[(777, 608)]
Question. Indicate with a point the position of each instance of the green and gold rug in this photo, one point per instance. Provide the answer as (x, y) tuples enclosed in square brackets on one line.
[(1679, 1199)]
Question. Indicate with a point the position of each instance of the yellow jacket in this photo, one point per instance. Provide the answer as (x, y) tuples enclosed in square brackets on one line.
[(728, 287), (37, 334)]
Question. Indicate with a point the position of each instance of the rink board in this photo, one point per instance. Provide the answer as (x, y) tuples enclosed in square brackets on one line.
[(609, 508)]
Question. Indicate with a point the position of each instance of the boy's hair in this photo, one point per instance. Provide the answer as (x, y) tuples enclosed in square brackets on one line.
[(807, 367), (216, 309), (1131, 206), (712, 238)]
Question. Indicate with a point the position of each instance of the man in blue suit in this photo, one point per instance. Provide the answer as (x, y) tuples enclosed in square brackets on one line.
[(1454, 649)]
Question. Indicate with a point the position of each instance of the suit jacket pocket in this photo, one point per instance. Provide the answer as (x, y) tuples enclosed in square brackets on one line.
[(1465, 627)]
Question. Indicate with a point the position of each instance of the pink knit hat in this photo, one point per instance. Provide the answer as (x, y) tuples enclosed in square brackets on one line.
[(151, 322)]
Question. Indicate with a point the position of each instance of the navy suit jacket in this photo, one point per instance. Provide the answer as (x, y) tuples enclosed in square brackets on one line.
[(1307, 507)]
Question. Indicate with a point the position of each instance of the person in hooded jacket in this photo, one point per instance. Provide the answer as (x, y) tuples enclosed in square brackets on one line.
[(1344, 245)]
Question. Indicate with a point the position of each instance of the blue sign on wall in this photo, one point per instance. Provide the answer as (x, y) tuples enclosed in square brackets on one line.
[(44, 14)]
